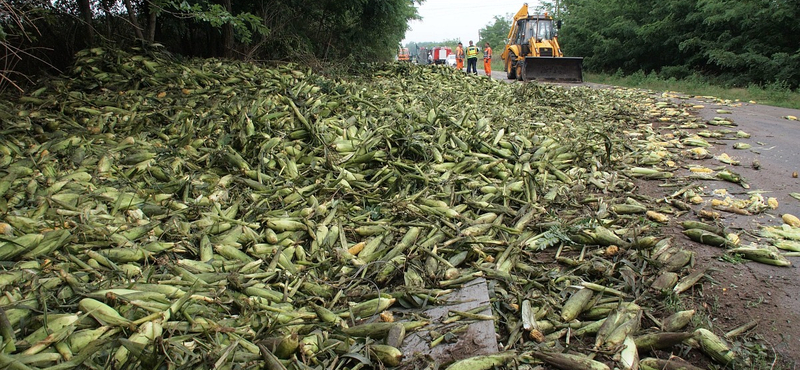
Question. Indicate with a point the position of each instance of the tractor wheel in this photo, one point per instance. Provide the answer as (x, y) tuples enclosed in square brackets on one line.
[(511, 66)]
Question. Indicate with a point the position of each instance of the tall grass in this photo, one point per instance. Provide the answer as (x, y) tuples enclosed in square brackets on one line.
[(775, 94)]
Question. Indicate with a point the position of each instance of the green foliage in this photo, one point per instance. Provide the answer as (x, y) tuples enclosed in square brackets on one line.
[(733, 42), (357, 30), (314, 33), (496, 33), (244, 24)]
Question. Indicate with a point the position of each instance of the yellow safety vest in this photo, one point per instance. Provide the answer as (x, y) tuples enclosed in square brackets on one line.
[(472, 52)]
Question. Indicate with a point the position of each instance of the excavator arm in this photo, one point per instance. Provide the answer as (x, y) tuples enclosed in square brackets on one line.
[(521, 14)]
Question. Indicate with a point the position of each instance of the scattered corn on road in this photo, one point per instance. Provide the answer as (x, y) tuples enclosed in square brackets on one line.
[(767, 160), (767, 157)]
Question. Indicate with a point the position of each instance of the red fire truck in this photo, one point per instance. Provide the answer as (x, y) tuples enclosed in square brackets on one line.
[(440, 54)]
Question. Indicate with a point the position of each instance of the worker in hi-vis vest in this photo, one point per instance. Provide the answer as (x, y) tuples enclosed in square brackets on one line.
[(472, 58), (460, 56), (487, 60)]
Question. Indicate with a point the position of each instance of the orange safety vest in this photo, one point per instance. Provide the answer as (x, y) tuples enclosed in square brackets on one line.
[(472, 52), (459, 52), (487, 53)]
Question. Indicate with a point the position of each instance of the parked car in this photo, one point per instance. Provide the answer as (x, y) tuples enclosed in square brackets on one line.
[(451, 60)]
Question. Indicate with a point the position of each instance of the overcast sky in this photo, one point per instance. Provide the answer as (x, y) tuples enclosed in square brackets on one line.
[(459, 19)]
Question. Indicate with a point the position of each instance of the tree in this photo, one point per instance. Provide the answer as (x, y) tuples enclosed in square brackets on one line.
[(310, 32), (496, 33), (733, 42)]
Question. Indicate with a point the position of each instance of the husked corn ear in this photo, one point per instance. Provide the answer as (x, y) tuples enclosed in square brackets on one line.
[(733, 239), (657, 217), (700, 169), (772, 202), (791, 220)]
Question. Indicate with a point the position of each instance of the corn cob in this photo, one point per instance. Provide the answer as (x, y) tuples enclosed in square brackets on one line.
[(103, 313), (568, 361), (387, 354), (673, 363), (705, 237), (483, 362), (576, 304), (379, 330), (791, 220), (660, 340), (714, 346)]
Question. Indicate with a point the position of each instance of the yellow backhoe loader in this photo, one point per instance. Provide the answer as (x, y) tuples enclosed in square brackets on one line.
[(532, 51)]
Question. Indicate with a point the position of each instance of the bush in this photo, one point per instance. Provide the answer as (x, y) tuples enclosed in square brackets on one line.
[(675, 72)]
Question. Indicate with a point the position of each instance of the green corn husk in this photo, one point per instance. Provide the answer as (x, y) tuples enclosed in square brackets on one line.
[(483, 362), (240, 211), (781, 232), (706, 237), (660, 341), (678, 320), (762, 254), (567, 361), (673, 363), (689, 224), (576, 304), (714, 346)]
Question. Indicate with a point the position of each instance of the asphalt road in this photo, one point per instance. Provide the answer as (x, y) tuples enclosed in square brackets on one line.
[(770, 165)]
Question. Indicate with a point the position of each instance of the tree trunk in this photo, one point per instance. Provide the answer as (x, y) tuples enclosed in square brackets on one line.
[(134, 22), (227, 32), (152, 17), (86, 13), (109, 18)]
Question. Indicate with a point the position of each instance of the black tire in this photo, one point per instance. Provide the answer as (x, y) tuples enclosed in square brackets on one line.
[(521, 70), (511, 66)]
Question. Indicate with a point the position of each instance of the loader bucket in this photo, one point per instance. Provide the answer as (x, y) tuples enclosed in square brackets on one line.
[(553, 69)]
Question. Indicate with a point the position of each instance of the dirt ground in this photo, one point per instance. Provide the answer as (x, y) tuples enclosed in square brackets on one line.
[(740, 291)]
